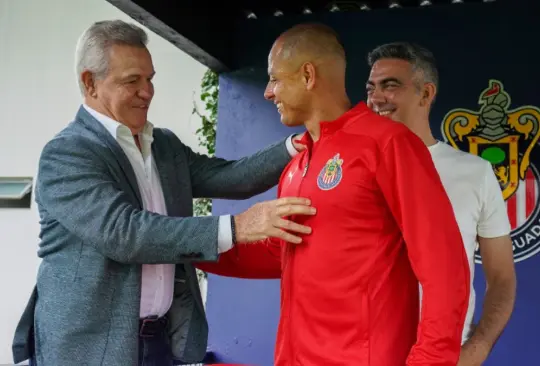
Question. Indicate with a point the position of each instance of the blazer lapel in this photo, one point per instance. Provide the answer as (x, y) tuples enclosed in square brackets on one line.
[(97, 128), (165, 162)]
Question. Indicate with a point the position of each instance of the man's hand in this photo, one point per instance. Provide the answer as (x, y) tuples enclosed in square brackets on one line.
[(473, 354), (296, 141), (266, 219)]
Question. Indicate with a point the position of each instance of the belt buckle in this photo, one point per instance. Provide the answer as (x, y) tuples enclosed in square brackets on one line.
[(145, 322)]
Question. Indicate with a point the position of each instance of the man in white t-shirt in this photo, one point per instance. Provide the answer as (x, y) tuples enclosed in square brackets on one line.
[(402, 86)]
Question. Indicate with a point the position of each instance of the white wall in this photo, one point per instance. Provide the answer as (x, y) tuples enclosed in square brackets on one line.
[(39, 96)]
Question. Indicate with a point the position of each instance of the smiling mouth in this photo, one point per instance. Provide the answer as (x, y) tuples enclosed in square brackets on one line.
[(385, 113)]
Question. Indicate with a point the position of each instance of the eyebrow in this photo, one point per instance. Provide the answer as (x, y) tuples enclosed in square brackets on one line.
[(384, 81), (136, 75)]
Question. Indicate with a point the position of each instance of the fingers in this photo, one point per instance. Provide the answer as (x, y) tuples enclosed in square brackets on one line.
[(295, 209), (292, 201), (277, 227), (289, 206), (290, 226), (286, 236), (293, 226)]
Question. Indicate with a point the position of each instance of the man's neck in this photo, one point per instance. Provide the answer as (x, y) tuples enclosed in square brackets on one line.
[(427, 138), (92, 103), (423, 131), (103, 110), (329, 112)]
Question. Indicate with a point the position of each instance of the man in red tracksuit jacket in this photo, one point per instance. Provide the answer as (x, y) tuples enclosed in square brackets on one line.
[(349, 290)]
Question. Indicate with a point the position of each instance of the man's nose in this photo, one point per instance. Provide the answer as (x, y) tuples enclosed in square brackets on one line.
[(268, 94), (376, 98), (145, 94)]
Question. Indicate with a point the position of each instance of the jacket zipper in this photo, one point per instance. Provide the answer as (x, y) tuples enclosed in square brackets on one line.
[(292, 254)]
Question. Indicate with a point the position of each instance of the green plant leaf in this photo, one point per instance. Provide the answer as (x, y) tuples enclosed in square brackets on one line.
[(207, 132)]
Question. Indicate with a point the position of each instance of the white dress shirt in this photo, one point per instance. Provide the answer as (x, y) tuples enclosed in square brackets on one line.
[(157, 279)]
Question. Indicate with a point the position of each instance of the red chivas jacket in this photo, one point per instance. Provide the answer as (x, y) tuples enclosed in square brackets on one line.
[(349, 292)]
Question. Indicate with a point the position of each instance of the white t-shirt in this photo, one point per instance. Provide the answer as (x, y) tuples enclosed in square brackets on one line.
[(477, 200)]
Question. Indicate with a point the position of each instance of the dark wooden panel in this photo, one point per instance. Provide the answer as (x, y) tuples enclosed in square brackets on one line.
[(198, 32), (207, 31)]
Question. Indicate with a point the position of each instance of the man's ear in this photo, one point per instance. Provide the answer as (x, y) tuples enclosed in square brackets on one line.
[(89, 83), (428, 93), (308, 75)]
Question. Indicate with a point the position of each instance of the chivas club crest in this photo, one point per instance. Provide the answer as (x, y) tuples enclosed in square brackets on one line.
[(507, 138), (331, 174)]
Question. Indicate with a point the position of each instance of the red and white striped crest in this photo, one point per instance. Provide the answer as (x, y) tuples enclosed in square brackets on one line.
[(522, 204)]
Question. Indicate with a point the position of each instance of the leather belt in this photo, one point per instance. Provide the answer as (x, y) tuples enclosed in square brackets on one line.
[(152, 326)]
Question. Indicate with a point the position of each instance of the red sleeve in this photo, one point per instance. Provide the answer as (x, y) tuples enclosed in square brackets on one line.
[(261, 260), (420, 206)]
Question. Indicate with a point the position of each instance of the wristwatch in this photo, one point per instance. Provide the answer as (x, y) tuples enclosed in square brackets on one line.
[(233, 230)]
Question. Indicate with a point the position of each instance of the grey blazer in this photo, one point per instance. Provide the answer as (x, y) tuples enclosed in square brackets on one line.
[(84, 309)]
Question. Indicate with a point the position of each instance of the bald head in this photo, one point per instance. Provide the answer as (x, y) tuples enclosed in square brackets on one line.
[(310, 42), (306, 68)]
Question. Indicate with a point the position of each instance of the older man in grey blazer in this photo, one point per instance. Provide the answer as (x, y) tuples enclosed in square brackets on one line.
[(116, 286)]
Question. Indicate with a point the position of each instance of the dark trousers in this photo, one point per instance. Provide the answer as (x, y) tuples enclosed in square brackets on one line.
[(154, 347)]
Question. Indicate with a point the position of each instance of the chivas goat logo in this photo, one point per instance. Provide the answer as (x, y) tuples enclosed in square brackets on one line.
[(507, 138)]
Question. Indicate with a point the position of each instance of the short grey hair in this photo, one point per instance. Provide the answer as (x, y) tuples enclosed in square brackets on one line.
[(92, 51), (419, 57)]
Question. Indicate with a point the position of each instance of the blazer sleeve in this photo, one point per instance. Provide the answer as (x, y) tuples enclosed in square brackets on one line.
[(416, 197), (261, 260), (214, 177), (78, 190)]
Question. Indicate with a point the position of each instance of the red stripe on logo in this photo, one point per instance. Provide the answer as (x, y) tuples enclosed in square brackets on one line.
[(530, 192), (511, 206)]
